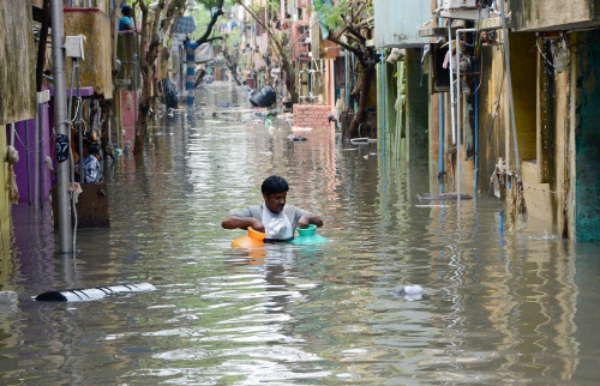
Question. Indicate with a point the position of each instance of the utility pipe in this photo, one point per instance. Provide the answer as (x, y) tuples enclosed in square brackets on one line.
[(452, 102), (79, 120), (458, 115), (383, 100), (346, 85), (41, 155), (60, 116), (135, 93), (475, 188), (12, 134), (441, 123), (36, 155), (27, 155), (441, 138), (513, 120)]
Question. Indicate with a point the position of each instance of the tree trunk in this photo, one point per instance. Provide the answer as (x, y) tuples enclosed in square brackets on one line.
[(143, 113), (232, 65), (290, 83), (365, 77)]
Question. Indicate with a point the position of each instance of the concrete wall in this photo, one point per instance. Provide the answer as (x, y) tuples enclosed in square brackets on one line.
[(398, 21), (492, 114), (587, 139), (528, 15), (127, 45), (96, 69), (17, 62)]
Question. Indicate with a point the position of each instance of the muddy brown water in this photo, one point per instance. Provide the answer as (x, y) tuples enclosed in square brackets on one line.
[(523, 309)]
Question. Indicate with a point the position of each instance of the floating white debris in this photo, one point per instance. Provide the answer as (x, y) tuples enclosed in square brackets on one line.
[(409, 292), (84, 295), (8, 297)]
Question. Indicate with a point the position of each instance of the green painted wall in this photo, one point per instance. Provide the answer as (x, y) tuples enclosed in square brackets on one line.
[(587, 141), (417, 107)]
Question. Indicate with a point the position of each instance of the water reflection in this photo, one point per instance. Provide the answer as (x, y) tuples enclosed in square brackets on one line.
[(522, 312)]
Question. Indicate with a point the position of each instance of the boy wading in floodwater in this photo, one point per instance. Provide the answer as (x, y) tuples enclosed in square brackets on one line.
[(274, 217)]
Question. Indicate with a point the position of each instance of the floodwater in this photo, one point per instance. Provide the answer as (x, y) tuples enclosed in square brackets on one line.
[(521, 309)]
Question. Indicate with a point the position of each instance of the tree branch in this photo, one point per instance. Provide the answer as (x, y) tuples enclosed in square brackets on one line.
[(213, 20), (337, 40)]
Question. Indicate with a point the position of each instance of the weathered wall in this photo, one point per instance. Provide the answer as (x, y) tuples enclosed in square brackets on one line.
[(96, 69), (398, 21), (528, 15), (417, 107), (313, 116), (492, 119), (5, 204), (127, 45), (587, 139), (523, 72), (386, 98), (17, 62)]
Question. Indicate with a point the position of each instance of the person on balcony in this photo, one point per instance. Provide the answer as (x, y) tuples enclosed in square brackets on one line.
[(126, 23)]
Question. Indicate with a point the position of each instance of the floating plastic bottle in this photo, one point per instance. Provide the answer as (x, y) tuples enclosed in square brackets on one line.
[(308, 236), (254, 239)]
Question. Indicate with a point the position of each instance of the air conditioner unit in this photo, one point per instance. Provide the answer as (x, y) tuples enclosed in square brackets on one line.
[(462, 9), (454, 4)]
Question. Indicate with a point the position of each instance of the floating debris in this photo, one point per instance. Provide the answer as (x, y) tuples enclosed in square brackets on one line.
[(442, 196), (297, 138), (409, 292), (84, 295)]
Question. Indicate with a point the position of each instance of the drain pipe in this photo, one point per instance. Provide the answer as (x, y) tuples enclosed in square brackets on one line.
[(441, 139), (347, 64), (452, 102), (458, 115), (383, 100), (475, 187), (441, 123), (60, 119)]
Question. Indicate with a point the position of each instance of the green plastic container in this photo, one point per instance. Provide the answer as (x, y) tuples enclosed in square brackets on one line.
[(308, 236)]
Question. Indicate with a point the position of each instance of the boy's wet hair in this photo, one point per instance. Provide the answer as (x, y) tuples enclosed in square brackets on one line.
[(274, 185)]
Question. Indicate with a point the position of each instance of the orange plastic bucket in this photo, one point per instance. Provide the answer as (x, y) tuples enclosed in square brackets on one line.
[(254, 239)]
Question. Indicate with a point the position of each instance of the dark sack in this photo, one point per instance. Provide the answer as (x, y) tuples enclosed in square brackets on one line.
[(171, 96)]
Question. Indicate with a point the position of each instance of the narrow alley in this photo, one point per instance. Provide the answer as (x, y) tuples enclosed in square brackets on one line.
[(521, 307)]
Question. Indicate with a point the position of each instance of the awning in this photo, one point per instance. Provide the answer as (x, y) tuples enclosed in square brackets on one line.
[(186, 25)]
